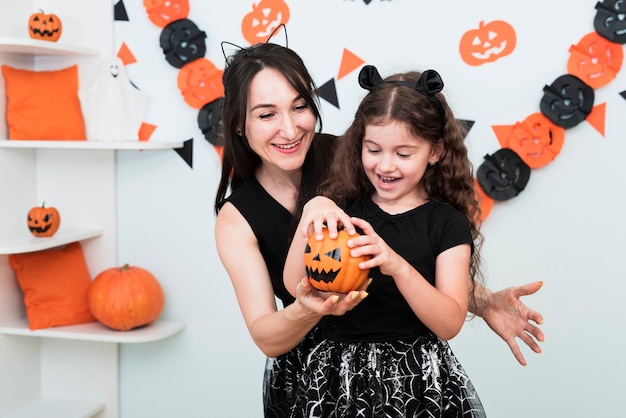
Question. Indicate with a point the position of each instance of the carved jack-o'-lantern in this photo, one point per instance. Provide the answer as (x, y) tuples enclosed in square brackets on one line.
[(595, 60), (258, 25), (610, 20), (487, 43), (503, 175), (537, 141), (567, 101), (329, 265), (182, 42), (43, 221), (162, 12), (200, 82), (47, 27)]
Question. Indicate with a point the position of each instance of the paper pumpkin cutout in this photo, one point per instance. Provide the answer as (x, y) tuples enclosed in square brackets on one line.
[(200, 82), (536, 140), (162, 12), (609, 21), (182, 42), (595, 60), (112, 107), (503, 174), (259, 24), (210, 121), (487, 43), (567, 101)]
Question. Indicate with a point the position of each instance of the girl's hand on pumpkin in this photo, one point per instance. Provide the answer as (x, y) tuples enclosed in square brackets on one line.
[(369, 243), (321, 212)]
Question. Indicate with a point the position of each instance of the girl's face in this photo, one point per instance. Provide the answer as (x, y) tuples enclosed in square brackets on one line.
[(279, 124), (394, 161)]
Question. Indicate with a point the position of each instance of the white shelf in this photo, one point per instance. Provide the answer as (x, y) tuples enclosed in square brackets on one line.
[(95, 145), (30, 46), (22, 241), (95, 331), (58, 408)]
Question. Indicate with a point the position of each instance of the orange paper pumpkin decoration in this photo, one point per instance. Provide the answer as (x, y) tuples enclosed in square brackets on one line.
[(127, 297), (487, 43), (44, 26), (329, 265), (258, 25), (162, 12), (537, 140), (43, 221), (595, 60), (200, 82)]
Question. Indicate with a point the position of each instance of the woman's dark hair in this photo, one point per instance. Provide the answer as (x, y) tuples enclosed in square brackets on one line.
[(239, 162)]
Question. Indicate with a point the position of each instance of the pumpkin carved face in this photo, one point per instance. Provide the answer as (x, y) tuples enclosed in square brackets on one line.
[(258, 25), (329, 265), (487, 43), (43, 221), (44, 26), (595, 60), (200, 82), (567, 101)]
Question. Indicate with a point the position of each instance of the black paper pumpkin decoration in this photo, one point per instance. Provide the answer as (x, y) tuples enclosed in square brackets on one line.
[(503, 174), (210, 121), (182, 42), (610, 20), (329, 265), (567, 101)]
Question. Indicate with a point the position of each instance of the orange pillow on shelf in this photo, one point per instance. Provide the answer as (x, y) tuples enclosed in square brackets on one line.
[(55, 284), (43, 104)]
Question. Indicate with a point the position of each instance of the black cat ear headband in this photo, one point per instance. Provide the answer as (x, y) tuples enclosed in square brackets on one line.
[(429, 84), (282, 25)]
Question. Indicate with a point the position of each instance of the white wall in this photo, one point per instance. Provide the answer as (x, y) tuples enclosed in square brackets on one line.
[(566, 228)]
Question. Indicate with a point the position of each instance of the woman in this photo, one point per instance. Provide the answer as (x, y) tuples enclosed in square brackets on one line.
[(272, 161)]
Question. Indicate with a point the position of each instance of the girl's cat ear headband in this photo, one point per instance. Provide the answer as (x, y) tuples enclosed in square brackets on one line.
[(429, 83)]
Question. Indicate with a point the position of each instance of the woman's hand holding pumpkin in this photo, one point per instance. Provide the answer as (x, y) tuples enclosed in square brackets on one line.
[(328, 303)]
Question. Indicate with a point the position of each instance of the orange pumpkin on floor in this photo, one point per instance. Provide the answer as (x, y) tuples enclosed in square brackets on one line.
[(43, 221), (127, 297), (329, 265), (45, 26)]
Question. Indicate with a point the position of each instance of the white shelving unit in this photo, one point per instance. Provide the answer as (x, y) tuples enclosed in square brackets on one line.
[(69, 371)]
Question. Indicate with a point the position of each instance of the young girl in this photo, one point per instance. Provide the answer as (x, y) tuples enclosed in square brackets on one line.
[(402, 172)]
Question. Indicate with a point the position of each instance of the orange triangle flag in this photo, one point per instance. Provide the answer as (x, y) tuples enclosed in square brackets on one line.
[(125, 55), (145, 131), (597, 117), (349, 62), (503, 133)]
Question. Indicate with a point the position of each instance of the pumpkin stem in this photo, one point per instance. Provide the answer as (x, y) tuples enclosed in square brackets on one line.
[(124, 267)]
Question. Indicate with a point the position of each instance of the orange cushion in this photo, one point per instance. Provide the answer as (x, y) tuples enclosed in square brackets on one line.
[(55, 284), (43, 104)]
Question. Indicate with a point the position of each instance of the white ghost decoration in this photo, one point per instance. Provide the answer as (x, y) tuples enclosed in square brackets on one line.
[(113, 109)]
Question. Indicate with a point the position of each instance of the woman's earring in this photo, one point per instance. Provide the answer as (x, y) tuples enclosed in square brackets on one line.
[(238, 133), (432, 163)]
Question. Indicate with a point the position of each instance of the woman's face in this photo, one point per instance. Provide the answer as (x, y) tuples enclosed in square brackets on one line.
[(394, 160), (279, 123)]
